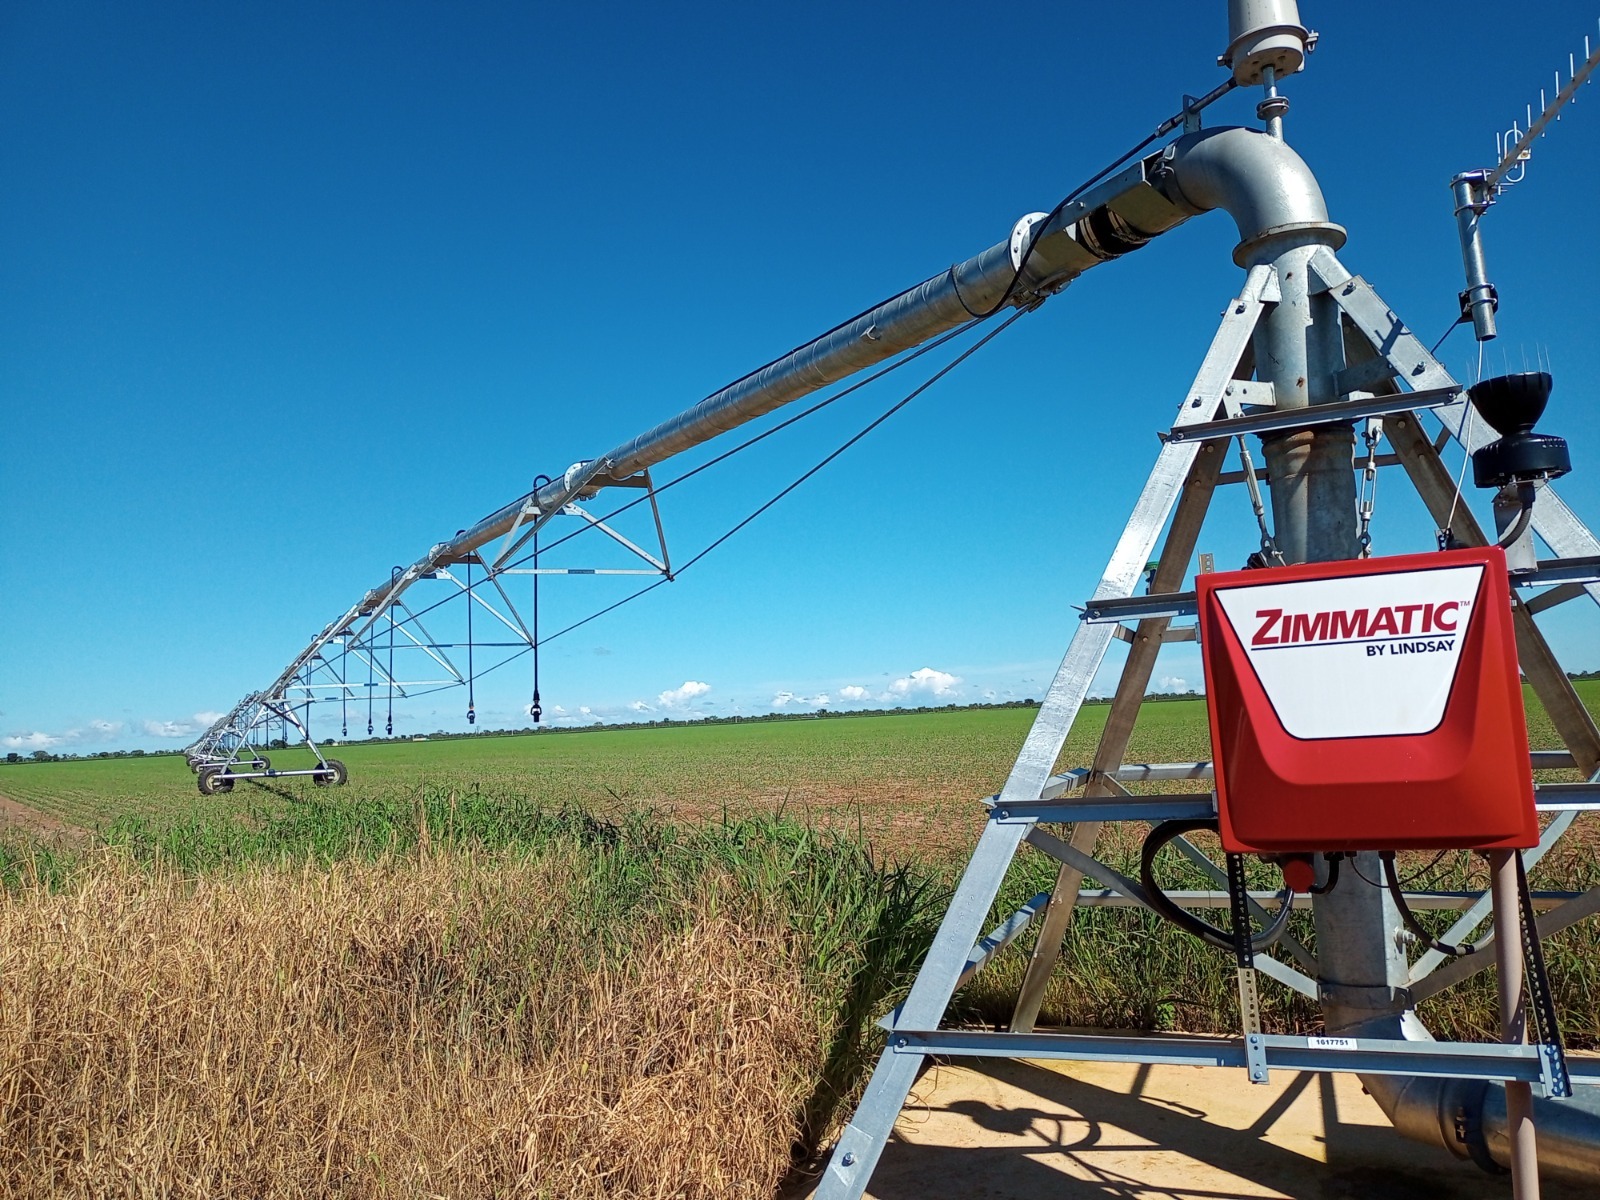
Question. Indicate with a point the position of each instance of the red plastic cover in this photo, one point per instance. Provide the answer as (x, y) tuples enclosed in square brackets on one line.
[(1373, 704)]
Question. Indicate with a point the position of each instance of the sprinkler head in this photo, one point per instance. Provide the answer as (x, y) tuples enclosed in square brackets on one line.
[(1511, 404)]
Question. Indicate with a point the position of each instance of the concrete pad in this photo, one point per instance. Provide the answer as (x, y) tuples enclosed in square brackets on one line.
[(1004, 1129)]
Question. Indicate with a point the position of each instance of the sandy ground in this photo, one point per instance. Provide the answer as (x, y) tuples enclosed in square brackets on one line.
[(1084, 1131), (15, 815)]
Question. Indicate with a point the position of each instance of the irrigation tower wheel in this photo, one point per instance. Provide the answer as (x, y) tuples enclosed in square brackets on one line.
[(336, 775), (213, 780)]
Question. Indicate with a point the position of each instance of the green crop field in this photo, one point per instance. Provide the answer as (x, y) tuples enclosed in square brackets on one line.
[(910, 779), (438, 926)]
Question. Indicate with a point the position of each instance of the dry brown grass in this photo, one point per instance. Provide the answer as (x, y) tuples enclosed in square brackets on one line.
[(438, 1025)]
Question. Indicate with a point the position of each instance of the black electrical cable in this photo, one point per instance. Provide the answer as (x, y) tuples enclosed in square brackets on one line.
[(1362, 875), (1456, 324), (1022, 264), (344, 691), (372, 653), (1333, 876), (1424, 869), (1410, 918), (1154, 843)]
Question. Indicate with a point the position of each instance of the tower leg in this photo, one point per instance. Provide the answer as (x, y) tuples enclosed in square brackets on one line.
[(863, 1140)]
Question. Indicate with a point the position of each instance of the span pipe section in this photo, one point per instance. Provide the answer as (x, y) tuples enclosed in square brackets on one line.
[(1260, 181)]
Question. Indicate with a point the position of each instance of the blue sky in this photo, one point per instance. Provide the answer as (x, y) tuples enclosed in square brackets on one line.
[(295, 291)]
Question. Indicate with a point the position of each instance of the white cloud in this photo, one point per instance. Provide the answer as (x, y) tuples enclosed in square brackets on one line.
[(31, 741), (168, 729), (925, 681), (641, 706), (1174, 683), (558, 711), (852, 692), (97, 730), (692, 689), (786, 698), (207, 719)]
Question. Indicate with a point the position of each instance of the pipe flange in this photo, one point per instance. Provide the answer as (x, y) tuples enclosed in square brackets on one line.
[(1324, 233), (1022, 237), (1272, 106)]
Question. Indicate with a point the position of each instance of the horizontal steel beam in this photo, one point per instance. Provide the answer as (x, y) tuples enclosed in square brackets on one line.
[(1566, 797), (1140, 608), (1153, 808), (1585, 569), (1438, 901), (1317, 414), (1367, 1056)]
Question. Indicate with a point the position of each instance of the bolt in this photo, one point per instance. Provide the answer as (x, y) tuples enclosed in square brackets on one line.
[(849, 1159), (1000, 814), (901, 1043)]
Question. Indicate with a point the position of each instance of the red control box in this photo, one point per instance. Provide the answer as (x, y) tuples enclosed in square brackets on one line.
[(1372, 704)]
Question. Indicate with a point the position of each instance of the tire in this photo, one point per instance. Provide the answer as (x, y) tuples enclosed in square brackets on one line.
[(263, 763), (213, 780), (338, 778)]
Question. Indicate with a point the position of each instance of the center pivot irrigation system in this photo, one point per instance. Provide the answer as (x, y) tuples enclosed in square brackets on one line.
[(1359, 706)]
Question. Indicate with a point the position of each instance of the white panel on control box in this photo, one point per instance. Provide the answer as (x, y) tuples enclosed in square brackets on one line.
[(1359, 655)]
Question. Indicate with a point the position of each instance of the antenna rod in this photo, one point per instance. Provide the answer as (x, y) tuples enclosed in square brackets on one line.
[(1538, 126)]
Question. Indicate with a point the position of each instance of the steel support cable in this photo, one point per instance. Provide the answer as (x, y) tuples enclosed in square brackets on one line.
[(887, 369), (718, 459), (1160, 131), (854, 438)]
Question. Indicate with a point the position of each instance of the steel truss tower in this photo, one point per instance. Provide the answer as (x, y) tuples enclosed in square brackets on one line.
[(1364, 982)]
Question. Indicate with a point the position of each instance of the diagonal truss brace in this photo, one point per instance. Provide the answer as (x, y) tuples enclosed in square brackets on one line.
[(863, 1140)]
